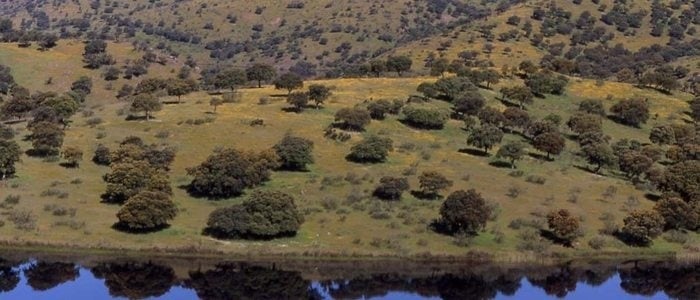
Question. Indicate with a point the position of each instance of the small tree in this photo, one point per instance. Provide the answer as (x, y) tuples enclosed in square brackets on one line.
[(73, 155), (372, 149), (355, 118), (399, 64), (600, 155), (261, 72), (592, 106), (464, 212), (147, 210), (131, 177), (581, 123), (82, 86), (299, 100), (431, 183), (319, 93), (179, 88), (511, 151), (295, 152), (230, 78), (521, 94), (215, 102), (47, 138), (485, 137), (378, 109), (550, 143), (9, 154), (469, 103), (391, 188), (145, 103), (563, 225), (662, 135), (516, 117), (102, 155), (289, 82), (633, 112), (642, 226)]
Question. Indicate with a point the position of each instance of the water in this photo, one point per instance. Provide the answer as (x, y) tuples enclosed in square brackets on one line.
[(105, 278)]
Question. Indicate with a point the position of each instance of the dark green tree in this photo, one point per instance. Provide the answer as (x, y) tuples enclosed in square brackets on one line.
[(485, 137), (399, 64), (600, 155), (391, 188), (146, 103), (261, 72), (319, 93), (550, 143), (372, 149), (295, 152), (289, 82), (299, 100), (9, 154), (431, 183), (563, 225), (355, 118), (264, 215), (632, 112), (512, 151), (147, 210), (642, 226), (464, 212)]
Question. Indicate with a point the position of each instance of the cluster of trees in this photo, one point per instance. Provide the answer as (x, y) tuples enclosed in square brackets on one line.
[(317, 93), (138, 180)]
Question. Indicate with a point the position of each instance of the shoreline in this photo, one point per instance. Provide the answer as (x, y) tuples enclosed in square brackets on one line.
[(470, 256)]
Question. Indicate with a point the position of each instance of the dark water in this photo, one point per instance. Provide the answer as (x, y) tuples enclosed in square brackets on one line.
[(105, 278)]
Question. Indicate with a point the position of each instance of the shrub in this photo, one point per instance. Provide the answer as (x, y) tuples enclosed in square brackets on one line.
[(597, 242), (227, 172), (631, 112), (264, 215), (424, 118), (391, 188), (353, 118), (563, 225), (372, 149), (147, 211)]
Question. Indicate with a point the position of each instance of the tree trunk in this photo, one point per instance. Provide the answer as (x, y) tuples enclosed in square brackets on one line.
[(259, 83)]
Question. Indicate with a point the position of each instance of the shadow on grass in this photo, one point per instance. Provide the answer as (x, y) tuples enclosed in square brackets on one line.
[(279, 95), (425, 196), (475, 152), (501, 164), (652, 197), (292, 110), (138, 118), (172, 102), (119, 226), (221, 235), (540, 156), (69, 165), (554, 239)]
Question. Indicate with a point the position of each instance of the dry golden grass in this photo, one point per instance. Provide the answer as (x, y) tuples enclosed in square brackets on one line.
[(344, 230)]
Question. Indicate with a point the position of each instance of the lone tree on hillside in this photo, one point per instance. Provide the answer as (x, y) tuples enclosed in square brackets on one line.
[(564, 226), (399, 64), (464, 213), (131, 177), (47, 138), (521, 94), (485, 137), (146, 103), (319, 93), (289, 82), (147, 211), (372, 149), (179, 87), (512, 151), (264, 215), (73, 155), (391, 188), (431, 183), (295, 152), (261, 72)]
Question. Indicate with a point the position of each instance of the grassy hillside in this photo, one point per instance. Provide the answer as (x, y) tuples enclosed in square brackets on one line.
[(341, 217)]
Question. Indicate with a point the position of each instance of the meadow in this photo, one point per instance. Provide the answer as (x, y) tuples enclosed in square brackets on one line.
[(342, 218)]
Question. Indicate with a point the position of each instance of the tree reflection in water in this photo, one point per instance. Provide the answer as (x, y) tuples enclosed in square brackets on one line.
[(136, 280), (43, 276), (241, 281), (237, 280)]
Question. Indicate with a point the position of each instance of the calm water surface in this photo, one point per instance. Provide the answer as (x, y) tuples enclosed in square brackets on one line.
[(108, 278)]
